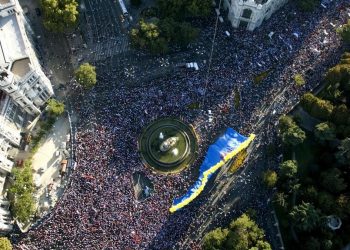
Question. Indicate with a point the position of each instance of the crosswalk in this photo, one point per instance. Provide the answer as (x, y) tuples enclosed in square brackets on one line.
[(104, 32), (110, 48)]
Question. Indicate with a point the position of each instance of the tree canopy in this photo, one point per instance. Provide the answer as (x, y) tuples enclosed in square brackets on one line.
[(289, 169), (343, 154), (243, 233), (317, 107), (305, 216), (291, 133), (59, 15), (307, 5), (270, 178), (332, 181), (344, 32), (325, 131), (5, 244), (182, 9), (22, 201), (86, 75), (215, 239), (156, 34), (55, 107)]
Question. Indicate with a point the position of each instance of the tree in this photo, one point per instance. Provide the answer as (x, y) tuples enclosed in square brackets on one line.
[(182, 9), (215, 239), (245, 234), (289, 169), (305, 216), (313, 244), (55, 108), (270, 178), (293, 136), (307, 5), (299, 80), (344, 32), (316, 107), (285, 122), (146, 35), (343, 154), (59, 15), (136, 2), (281, 199), (325, 131), (22, 201), (86, 75), (326, 202), (340, 114), (180, 33), (332, 181), (5, 244)]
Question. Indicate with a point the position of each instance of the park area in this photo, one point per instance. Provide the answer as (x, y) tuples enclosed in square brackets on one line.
[(312, 185)]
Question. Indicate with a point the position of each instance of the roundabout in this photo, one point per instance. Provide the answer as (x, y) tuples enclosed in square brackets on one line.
[(168, 146)]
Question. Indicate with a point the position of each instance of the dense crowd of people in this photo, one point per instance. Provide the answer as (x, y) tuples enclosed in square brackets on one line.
[(98, 209)]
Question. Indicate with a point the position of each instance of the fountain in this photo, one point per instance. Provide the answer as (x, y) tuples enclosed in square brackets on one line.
[(168, 145)]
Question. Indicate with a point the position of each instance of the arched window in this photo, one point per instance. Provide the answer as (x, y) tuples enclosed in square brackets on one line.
[(247, 13)]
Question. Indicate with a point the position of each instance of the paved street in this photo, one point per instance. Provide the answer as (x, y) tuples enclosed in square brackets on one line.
[(113, 114)]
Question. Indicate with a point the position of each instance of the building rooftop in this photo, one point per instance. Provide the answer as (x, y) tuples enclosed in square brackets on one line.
[(11, 40), (21, 67), (5, 1)]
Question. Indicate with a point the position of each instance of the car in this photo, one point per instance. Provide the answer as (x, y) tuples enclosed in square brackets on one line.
[(38, 11)]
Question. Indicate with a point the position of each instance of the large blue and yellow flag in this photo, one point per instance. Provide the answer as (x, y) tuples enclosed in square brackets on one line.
[(224, 149)]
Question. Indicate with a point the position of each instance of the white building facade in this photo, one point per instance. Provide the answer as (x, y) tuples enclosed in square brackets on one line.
[(250, 14), (24, 88)]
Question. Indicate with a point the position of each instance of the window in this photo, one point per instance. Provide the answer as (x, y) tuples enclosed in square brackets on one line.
[(247, 13)]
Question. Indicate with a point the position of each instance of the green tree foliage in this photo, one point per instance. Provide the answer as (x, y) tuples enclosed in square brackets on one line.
[(342, 204), (343, 154), (290, 132), (344, 32), (243, 233), (326, 202), (21, 191), (55, 108), (325, 131), (270, 178), (313, 244), (59, 15), (179, 33), (147, 36), (294, 136), (136, 2), (340, 73), (332, 181), (86, 75), (307, 5), (5, 244), (317, 107), (285, 122), (182, 9), (305, 216), (280, 199), (340, 114), (289, 169), (157, 35), (299, 80), (215, 239)]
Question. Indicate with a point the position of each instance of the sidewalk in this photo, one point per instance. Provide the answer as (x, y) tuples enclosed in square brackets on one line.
[(46, 165)]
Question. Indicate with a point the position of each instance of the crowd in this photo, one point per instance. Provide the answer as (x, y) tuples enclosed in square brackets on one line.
[(98, 209)]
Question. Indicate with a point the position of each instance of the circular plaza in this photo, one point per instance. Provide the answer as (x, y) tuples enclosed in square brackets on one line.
[(168, 146)]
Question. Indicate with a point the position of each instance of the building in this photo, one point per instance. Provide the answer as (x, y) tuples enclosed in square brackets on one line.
[(24, 88), (249, 14)]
